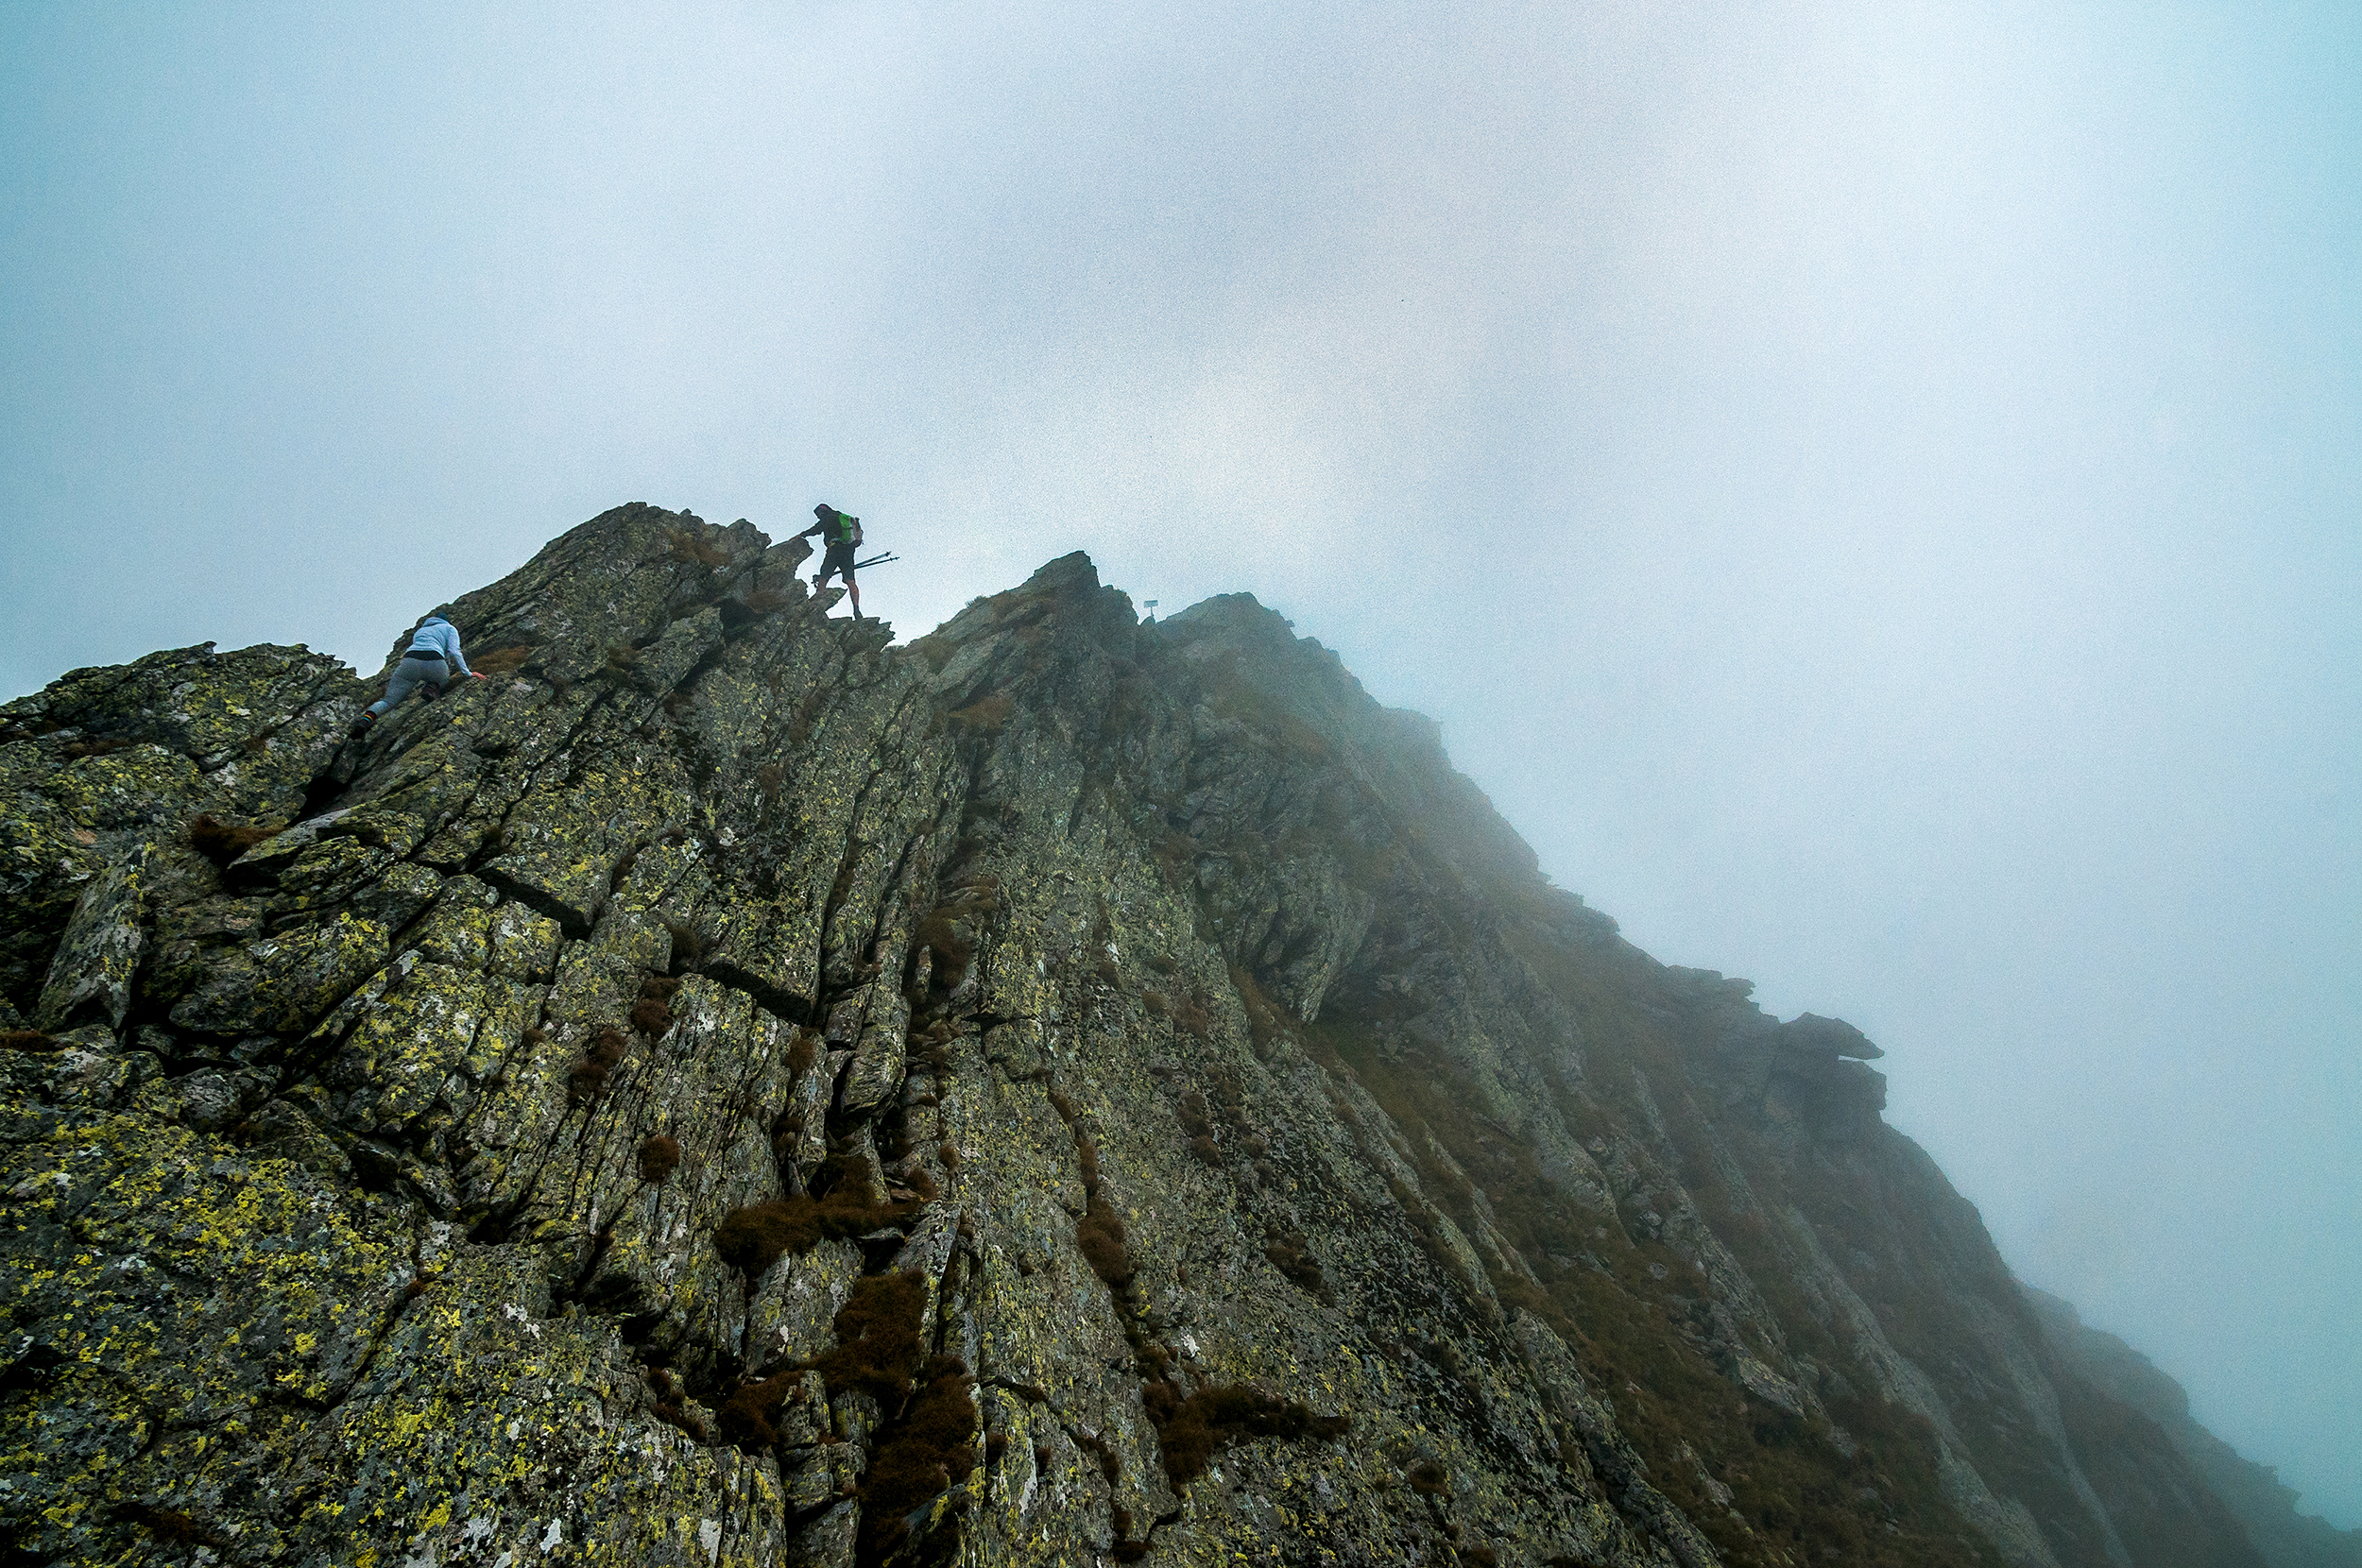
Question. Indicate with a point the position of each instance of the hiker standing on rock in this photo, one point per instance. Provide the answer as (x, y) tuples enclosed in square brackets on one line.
[(842, 533), (433, 655)]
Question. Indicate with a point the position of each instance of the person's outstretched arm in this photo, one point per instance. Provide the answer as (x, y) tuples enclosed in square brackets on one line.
[(451, 649)]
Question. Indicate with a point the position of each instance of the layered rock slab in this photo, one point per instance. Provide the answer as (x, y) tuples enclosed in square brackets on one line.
[(1287, 1169)]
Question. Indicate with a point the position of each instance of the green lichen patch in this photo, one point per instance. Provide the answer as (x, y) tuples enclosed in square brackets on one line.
[(133, 1240), (287, 980), (426, 1042), (1203, 1062), (488, 1425)]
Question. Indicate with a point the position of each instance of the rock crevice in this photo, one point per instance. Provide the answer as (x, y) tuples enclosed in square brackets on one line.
[(729, 1090)]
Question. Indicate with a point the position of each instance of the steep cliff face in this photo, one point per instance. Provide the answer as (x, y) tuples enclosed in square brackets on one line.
[(728, 1090), (2264, 1507)]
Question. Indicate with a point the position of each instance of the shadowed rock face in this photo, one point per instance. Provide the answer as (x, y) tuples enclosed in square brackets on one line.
[(2264, 1508), (728, 1090)]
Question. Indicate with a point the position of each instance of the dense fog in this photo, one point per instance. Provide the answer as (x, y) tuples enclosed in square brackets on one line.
[(1869, 491)]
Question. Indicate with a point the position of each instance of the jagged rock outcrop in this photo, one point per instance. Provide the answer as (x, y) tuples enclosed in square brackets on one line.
[(2264, 1508), (730, 1090)]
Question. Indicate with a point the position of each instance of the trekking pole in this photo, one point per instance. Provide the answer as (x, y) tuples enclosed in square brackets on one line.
[(876, 560)]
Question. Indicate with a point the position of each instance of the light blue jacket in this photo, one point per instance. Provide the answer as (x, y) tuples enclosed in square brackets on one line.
[(438, 636)]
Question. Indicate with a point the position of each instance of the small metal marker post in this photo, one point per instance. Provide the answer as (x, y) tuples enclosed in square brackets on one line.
[(1151, 605)]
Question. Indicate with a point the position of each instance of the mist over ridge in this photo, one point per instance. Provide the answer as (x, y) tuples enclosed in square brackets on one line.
[(1049, 1087), (1867, 494)]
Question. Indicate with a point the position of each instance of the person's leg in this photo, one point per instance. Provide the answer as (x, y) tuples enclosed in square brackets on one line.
[(407, 674), (837, 562), (853, 589)]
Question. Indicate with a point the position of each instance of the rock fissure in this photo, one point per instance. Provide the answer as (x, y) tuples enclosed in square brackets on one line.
[(517, 1152)]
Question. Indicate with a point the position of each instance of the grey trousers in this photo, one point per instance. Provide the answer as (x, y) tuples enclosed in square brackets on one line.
[(410, 674)]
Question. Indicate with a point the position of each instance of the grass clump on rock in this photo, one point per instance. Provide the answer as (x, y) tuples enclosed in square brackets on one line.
[(170, 1526), (672, 1406), (746, 1417), (1104, 1243), (756, 1236), (652, 1014), (878, 1352), (928, 1443), (587, 1079), (931, 1450), (221, 842), (877, 1339), (685, 546), (659, 1157), (1191, 1431), (1289, 1253), (986, 716)]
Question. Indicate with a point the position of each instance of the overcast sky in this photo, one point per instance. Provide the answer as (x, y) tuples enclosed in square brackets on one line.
[(1869, 489)]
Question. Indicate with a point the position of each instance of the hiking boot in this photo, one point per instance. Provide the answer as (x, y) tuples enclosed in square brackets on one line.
[(361, 726)]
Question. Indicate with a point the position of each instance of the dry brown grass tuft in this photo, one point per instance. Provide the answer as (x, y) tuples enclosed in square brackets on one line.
[(1264, 1022), (1191, 1430), (1288, 1253), (685, 546), (1104, 1243), (753, 1238), (986, 716), (586, 1080), (671, 1405), (652, 1015), (222, 842), (877, 1339), (927, 1453), (170, 1526), (659, 1157)]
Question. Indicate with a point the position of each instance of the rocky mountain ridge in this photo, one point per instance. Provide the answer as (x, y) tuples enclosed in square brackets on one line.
[(727, 1089), (2265, 1508)]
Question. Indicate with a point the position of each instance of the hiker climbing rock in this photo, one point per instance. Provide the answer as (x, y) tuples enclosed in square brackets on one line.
[(842, 533), (433, 655)]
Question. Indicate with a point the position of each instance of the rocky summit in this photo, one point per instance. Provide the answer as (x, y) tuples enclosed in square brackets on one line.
[(730, 1090)]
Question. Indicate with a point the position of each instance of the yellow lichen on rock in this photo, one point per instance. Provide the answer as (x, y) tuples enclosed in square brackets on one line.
[(733, 1091)]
